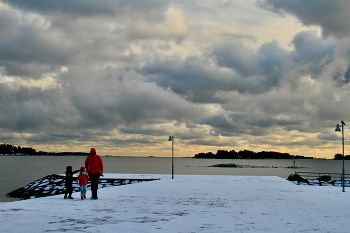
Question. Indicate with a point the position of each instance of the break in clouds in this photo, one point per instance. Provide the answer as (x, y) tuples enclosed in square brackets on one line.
[(124, 75)]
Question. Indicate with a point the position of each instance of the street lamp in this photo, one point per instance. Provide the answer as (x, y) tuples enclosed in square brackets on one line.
[(171, 138), (342, 130)]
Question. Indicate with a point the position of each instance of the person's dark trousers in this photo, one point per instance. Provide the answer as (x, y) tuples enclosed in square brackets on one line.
[(69, 190), (94, 183)]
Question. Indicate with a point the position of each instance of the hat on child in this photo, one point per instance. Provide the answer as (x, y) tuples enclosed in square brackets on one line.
[(82, 169)]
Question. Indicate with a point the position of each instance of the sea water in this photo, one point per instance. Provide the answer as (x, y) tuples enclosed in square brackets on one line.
[(17, 171)]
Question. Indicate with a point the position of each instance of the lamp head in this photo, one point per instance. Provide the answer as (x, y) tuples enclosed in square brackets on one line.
[(171, 138), (337, 128)]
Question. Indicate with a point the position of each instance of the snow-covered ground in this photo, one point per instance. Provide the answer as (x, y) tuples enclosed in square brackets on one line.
[(187, 203)]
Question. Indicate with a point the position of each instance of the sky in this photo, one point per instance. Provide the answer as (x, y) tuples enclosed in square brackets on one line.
[(122, 76)]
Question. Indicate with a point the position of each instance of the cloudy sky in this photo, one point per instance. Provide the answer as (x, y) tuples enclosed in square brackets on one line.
[(122, 76)]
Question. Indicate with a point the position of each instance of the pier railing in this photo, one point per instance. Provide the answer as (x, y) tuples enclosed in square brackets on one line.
[(319, 178)]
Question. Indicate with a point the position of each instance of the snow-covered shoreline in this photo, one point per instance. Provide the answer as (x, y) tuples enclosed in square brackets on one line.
[(188, 203)]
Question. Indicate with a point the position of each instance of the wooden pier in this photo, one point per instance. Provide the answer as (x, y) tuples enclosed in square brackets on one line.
[(54, 185)]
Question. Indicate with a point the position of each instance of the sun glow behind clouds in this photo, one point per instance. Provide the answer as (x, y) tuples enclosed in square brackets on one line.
[(44, 83)]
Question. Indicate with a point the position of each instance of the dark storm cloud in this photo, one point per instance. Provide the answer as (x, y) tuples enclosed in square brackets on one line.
[(273, 60), (199, 81), (31, 109), (237, 124), (59, 137), (111, 101), (265, 66), (342, 78), (131, 141), (331, 16), (152, 9), (62, 114), (347, 74), (235, 55), (80, 7), (308, 46), (29, 49), (152, 132), (270, 122), (249, 62), (259, 71), (328, 137), (32, 45), (220, 122), (8, 19), (193, 78)]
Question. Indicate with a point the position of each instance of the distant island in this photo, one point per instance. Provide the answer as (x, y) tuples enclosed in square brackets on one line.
[(247, 154), (8, 149)]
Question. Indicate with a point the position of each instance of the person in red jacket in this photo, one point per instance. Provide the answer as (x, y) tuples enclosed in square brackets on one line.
[(94, 167), (83, 179)]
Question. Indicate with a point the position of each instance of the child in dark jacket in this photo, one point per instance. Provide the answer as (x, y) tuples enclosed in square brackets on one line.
[(83, 179), (69, 182)]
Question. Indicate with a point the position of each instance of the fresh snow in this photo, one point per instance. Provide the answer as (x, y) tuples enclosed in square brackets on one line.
[(187, 203)]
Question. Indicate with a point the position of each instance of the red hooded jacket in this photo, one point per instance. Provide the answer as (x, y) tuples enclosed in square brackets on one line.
[(83, 178), (93, 163)]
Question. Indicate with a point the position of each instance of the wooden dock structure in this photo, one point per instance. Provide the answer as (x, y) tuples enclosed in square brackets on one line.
[(55, 184)]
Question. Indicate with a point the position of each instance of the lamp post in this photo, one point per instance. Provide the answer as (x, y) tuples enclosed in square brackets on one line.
[(171, 138), (342, 130)]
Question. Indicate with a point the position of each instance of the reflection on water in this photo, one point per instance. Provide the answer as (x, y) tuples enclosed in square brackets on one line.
[(17, 171)]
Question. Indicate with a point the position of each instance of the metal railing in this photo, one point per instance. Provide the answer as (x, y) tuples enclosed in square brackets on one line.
[(319, 178)]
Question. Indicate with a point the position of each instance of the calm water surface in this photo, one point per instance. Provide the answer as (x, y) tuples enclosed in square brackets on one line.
[(17, 171)]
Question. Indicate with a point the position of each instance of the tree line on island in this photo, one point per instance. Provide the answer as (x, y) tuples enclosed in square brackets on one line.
[(340, 156), (8, 149), (247, 154)]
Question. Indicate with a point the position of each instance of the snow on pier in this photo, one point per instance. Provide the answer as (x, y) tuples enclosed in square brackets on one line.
[(188, 203)]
